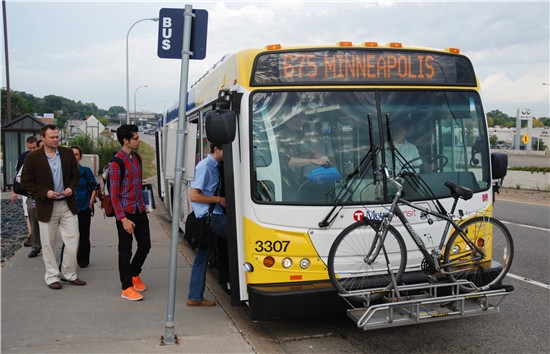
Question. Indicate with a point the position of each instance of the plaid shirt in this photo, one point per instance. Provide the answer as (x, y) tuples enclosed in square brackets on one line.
[(128, 196)]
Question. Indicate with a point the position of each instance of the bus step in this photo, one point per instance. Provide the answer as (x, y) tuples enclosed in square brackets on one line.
[(425, 305)]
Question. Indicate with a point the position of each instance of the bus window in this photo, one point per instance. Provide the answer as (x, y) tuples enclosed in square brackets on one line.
[(448, 134), (304, 143)]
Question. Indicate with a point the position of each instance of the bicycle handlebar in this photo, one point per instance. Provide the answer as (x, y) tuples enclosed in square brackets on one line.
[(409, 173), (397, 181)]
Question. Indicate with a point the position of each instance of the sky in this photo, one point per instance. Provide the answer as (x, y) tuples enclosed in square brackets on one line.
[(77, 49)]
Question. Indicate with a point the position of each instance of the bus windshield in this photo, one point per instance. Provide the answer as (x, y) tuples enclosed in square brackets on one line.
[(305, 144)]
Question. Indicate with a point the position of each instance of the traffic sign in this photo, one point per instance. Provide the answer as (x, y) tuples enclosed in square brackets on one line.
[(525, 139), (170, 37)]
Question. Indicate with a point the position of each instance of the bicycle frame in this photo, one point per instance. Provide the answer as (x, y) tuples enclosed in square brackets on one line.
[(433, 257)]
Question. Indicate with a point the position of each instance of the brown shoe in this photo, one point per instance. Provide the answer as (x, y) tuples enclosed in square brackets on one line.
[(55, 285), (77, 282), (28, 242), (203, 302)]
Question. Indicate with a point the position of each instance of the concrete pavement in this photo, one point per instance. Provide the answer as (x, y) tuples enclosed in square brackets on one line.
[(95, 319)]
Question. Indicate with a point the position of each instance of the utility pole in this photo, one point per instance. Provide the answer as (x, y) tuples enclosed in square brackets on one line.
[(8, 90)]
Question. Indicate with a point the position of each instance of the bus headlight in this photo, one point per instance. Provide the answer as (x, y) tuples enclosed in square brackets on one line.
[(249, 268), (304, 263), (286, 263)]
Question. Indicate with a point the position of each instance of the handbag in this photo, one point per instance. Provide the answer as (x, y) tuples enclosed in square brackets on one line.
[(99, 193), (16, 186), (17, 189), (197, 230), (107, 206)]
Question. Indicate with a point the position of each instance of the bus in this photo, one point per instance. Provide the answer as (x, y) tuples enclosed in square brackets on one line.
[(305, 117)]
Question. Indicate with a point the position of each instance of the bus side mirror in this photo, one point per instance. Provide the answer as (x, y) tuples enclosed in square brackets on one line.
[(499, 162), (221, 126)]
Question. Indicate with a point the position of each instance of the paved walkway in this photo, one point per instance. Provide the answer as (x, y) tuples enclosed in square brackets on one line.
[(95, 319)]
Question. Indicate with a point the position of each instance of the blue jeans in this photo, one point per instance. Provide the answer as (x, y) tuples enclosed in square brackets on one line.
[(218, 227)]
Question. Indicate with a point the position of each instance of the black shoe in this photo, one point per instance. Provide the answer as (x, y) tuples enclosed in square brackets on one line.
[(83, 265), (33, 253)]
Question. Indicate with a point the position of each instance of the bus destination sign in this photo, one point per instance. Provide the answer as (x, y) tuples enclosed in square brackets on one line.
[(362, 67)]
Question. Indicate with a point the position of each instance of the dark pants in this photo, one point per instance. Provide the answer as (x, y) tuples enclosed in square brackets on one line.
[(197, 283), (84, 221), (129, 267), (35, 229)]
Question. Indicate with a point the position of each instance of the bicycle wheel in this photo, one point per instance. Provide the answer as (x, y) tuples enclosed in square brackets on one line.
[(463, 262), (348, 265)]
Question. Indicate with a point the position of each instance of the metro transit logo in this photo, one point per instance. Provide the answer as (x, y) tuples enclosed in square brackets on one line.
[(358, 215)]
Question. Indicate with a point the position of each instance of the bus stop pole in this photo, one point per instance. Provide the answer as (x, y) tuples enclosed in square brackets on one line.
[(169, 336)]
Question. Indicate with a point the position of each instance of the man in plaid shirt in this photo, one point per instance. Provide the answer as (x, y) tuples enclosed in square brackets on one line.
[(131, 216)]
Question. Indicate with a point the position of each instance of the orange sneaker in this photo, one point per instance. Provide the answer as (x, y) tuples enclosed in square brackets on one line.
[(131, 294), (138, 284)]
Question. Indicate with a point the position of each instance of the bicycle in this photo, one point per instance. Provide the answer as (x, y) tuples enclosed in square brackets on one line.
[(370, 255)]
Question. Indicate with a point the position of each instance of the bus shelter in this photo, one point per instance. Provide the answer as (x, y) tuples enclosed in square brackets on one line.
[(14, 136)]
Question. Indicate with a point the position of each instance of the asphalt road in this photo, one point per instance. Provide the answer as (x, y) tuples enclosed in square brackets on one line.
[(524, 160)]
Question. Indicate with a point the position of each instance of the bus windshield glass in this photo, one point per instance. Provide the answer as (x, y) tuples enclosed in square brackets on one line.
[(305, 144)]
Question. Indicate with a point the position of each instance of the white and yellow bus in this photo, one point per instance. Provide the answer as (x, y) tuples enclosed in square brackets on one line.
[(302, 128)]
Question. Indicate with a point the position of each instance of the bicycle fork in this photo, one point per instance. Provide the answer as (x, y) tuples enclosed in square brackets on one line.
[(378, 246)]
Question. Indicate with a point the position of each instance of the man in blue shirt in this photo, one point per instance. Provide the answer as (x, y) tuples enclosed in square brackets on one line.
[(205, 190)]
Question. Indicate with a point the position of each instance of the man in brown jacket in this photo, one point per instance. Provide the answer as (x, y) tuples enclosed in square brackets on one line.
[(51, 175)]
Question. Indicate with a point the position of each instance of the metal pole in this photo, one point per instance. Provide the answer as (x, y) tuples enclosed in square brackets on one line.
[(127, 67), (169, 336), (135, 112)]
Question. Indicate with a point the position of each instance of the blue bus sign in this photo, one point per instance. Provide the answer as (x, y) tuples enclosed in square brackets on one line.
[(170, 37)]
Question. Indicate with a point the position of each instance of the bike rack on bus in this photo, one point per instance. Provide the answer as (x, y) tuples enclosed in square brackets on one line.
[(419, 303)]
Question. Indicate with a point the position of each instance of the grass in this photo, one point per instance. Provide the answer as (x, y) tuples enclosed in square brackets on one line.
[(149, 161), (532, 169)]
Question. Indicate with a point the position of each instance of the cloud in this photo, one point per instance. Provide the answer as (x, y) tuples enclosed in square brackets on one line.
[(507, 94), (77, 49)]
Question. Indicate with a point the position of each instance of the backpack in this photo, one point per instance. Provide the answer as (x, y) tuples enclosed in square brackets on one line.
[(106, 203), (16, 186)]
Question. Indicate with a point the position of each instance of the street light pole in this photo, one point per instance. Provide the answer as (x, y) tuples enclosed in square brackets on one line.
[(135, 92), (127, 67)]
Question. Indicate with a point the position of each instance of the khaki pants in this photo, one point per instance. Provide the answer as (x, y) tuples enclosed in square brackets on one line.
[(67, 223)]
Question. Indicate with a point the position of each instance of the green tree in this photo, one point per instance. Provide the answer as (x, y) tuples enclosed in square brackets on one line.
[(538, 123), (538, 143), (20, 105), (103, 121), (493, 139), (501, 119), (85, 142), (115, 110)]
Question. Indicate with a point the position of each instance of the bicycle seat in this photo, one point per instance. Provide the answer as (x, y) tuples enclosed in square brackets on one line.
[(459, 191)]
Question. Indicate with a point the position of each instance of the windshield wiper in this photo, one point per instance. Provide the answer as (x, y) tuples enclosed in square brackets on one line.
[(349, 185)]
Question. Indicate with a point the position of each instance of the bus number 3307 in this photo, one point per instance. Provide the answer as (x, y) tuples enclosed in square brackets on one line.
[(271, 246)]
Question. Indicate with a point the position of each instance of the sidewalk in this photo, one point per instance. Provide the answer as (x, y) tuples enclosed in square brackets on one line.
[(95, 319)]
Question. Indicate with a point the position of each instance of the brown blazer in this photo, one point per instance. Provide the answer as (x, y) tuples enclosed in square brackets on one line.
[(37, 179)]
